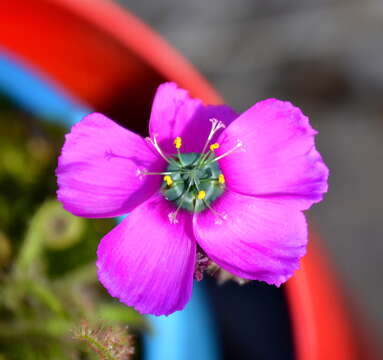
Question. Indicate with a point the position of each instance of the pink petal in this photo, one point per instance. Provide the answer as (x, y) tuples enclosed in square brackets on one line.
[(98, 170), (259, 239), (147, 262), (175, 113), (278, 157)]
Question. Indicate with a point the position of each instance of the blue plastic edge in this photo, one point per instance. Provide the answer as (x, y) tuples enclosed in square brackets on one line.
[(185, 335), (36, 93)]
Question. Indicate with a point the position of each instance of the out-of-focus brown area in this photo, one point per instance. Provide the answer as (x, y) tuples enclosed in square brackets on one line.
[(325, 56)]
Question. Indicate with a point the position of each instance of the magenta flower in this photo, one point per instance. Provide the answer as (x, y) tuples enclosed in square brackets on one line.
[(234, 185)]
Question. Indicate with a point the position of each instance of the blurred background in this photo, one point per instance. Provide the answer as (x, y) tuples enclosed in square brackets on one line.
[(325, 56)]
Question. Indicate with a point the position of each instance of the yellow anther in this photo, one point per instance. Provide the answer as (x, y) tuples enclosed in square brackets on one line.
[(221, 179), (178, 142), (214, 146), (201, 195), (168, 180)]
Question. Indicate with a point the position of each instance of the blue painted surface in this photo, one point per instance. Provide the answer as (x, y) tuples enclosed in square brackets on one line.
[(36, 93), (184, 335)]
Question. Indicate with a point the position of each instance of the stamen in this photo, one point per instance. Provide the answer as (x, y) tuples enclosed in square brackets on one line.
[(214, 146), (221, 179), (238, 145), (204, 157), (157, 173), (201, 195), (157, 147), (173, 215), (178, 142), (168, 180)]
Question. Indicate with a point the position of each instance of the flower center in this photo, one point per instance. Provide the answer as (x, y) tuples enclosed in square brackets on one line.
[(193, 181)]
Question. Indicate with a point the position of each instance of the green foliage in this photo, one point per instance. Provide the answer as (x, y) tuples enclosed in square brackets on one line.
[(51, 304), (110, 343)]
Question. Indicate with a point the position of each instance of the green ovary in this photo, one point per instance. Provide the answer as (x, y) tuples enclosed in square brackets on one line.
[(193, 184)]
